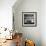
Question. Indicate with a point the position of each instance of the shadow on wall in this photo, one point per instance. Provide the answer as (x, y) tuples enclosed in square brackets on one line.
[(17, 4)]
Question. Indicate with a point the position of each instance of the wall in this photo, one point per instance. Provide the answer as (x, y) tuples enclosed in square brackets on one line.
[(6, 13), (43, 22), (6, 17), (33, 33)]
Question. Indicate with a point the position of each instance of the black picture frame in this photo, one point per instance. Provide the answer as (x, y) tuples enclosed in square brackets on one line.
[(29, 19)]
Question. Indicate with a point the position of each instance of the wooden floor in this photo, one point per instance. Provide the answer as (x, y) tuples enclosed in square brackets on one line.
[(17, 37), (9, 43)]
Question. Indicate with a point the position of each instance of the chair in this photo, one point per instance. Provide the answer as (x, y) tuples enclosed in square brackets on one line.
[(18, 39), (29, 43)]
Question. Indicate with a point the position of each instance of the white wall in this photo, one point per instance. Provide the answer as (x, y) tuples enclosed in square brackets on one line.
[(38, 34), (6, 17), (33, 33), (6, 13), (43, 22)]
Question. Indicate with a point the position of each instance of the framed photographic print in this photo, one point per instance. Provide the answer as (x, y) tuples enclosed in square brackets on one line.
[(29, 19)]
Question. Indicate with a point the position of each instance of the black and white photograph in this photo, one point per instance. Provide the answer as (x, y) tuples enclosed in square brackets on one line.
[(29, 19)]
